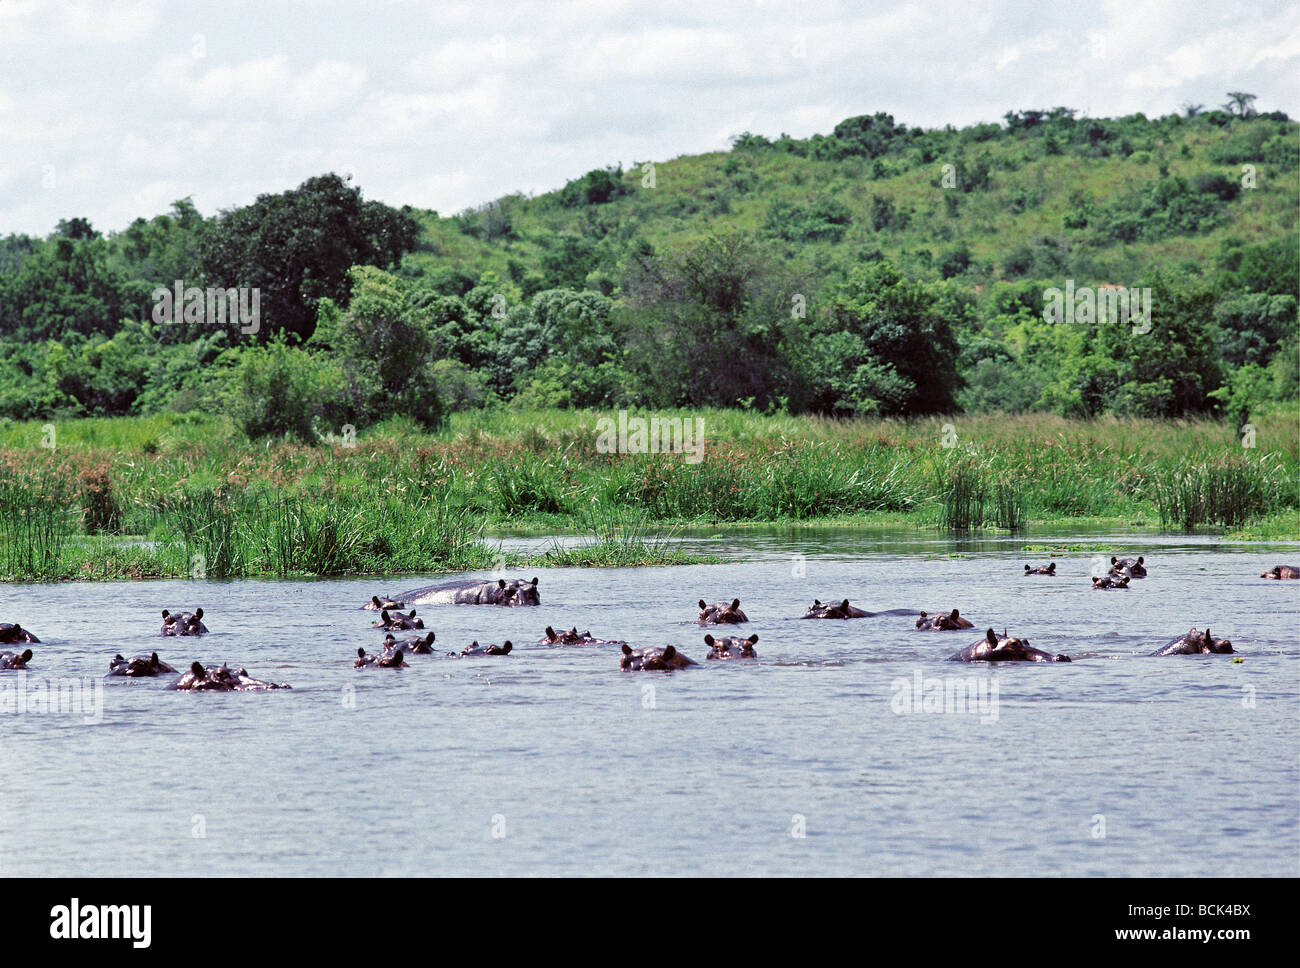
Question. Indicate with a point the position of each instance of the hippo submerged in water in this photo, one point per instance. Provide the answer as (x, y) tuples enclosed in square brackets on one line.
[(1048, 569), (138, 667), (991, 648), (1110, 581), (721, 613), (731, 647), (1277, 571), (942, 622), (390, 658), (397, 622), (221, 678), (820, 609), (11, 634), (652, 660), (1128, 567), (415, 645), (573, 637), (12, 661), (1195, 643), (476, 649), (183, 623), (468, 592)]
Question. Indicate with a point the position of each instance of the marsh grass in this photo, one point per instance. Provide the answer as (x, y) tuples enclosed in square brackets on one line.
[(402, 501)]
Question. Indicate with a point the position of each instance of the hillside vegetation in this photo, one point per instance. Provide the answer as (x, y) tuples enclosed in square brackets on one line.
[(875, 271)]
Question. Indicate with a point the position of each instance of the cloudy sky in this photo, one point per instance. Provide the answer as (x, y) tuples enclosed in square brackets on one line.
[(112, 110)]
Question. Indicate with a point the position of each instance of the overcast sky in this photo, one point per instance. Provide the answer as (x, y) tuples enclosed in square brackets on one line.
[(115, 110)]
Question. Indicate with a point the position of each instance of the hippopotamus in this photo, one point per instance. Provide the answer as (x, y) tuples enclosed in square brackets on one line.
[(731, 647), (722, 613), (183, 623), (397, 622), (221, 678), (1110, 581), (653, 660), (1195, 643), (944, 623), (820, 609), (388, 659), (476, 649), (12, 633), (574, 637), (15, 660), (377, 604), (415, 645), (1277, 571), (1128, 567), (470, 592), (991, 648), (1047, 569), (138, 667)]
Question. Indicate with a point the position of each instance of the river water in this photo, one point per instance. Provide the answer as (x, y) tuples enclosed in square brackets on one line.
[(820, 758)]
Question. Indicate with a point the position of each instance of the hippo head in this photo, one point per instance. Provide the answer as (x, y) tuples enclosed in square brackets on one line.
[(19, 660), (519, 592), (183, 623), (1209, 644)]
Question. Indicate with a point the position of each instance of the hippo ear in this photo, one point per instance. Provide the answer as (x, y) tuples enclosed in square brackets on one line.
[(390, 637), (412, 615), (753, 638), (627, 649), (384, 615), (1114, 560), (118, 657), (923, 615), (154, 658), (27, 655), (954, 614), (670, 652), (501, 583), (428, 639), (361, 653), (534, 579), (992, 637), (198, 670), (550, 632), (844, 604), (709, 640), (817, 603), (1026, 567), (1141, 559), (1051, 566), (702, 605), (375, 600), (198, 613), (508, 646), (735, 603), (574, 630)]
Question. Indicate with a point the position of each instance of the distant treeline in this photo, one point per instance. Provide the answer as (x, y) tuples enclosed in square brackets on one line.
[(878, 270)]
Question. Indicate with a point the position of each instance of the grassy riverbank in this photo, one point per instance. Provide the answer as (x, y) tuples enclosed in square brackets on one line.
[(188, 494)]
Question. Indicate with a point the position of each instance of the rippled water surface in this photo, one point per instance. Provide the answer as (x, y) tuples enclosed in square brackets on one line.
[(807, 761)]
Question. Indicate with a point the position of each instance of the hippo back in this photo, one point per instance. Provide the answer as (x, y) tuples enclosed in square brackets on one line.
[(475, 592)]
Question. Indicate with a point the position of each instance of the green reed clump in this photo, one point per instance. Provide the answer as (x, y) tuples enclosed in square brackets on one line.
[(34, 529), (962, 494), (623, 538), (526, 485), (293, 536), (1225, 491), (1008, 503), (206, 525)]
